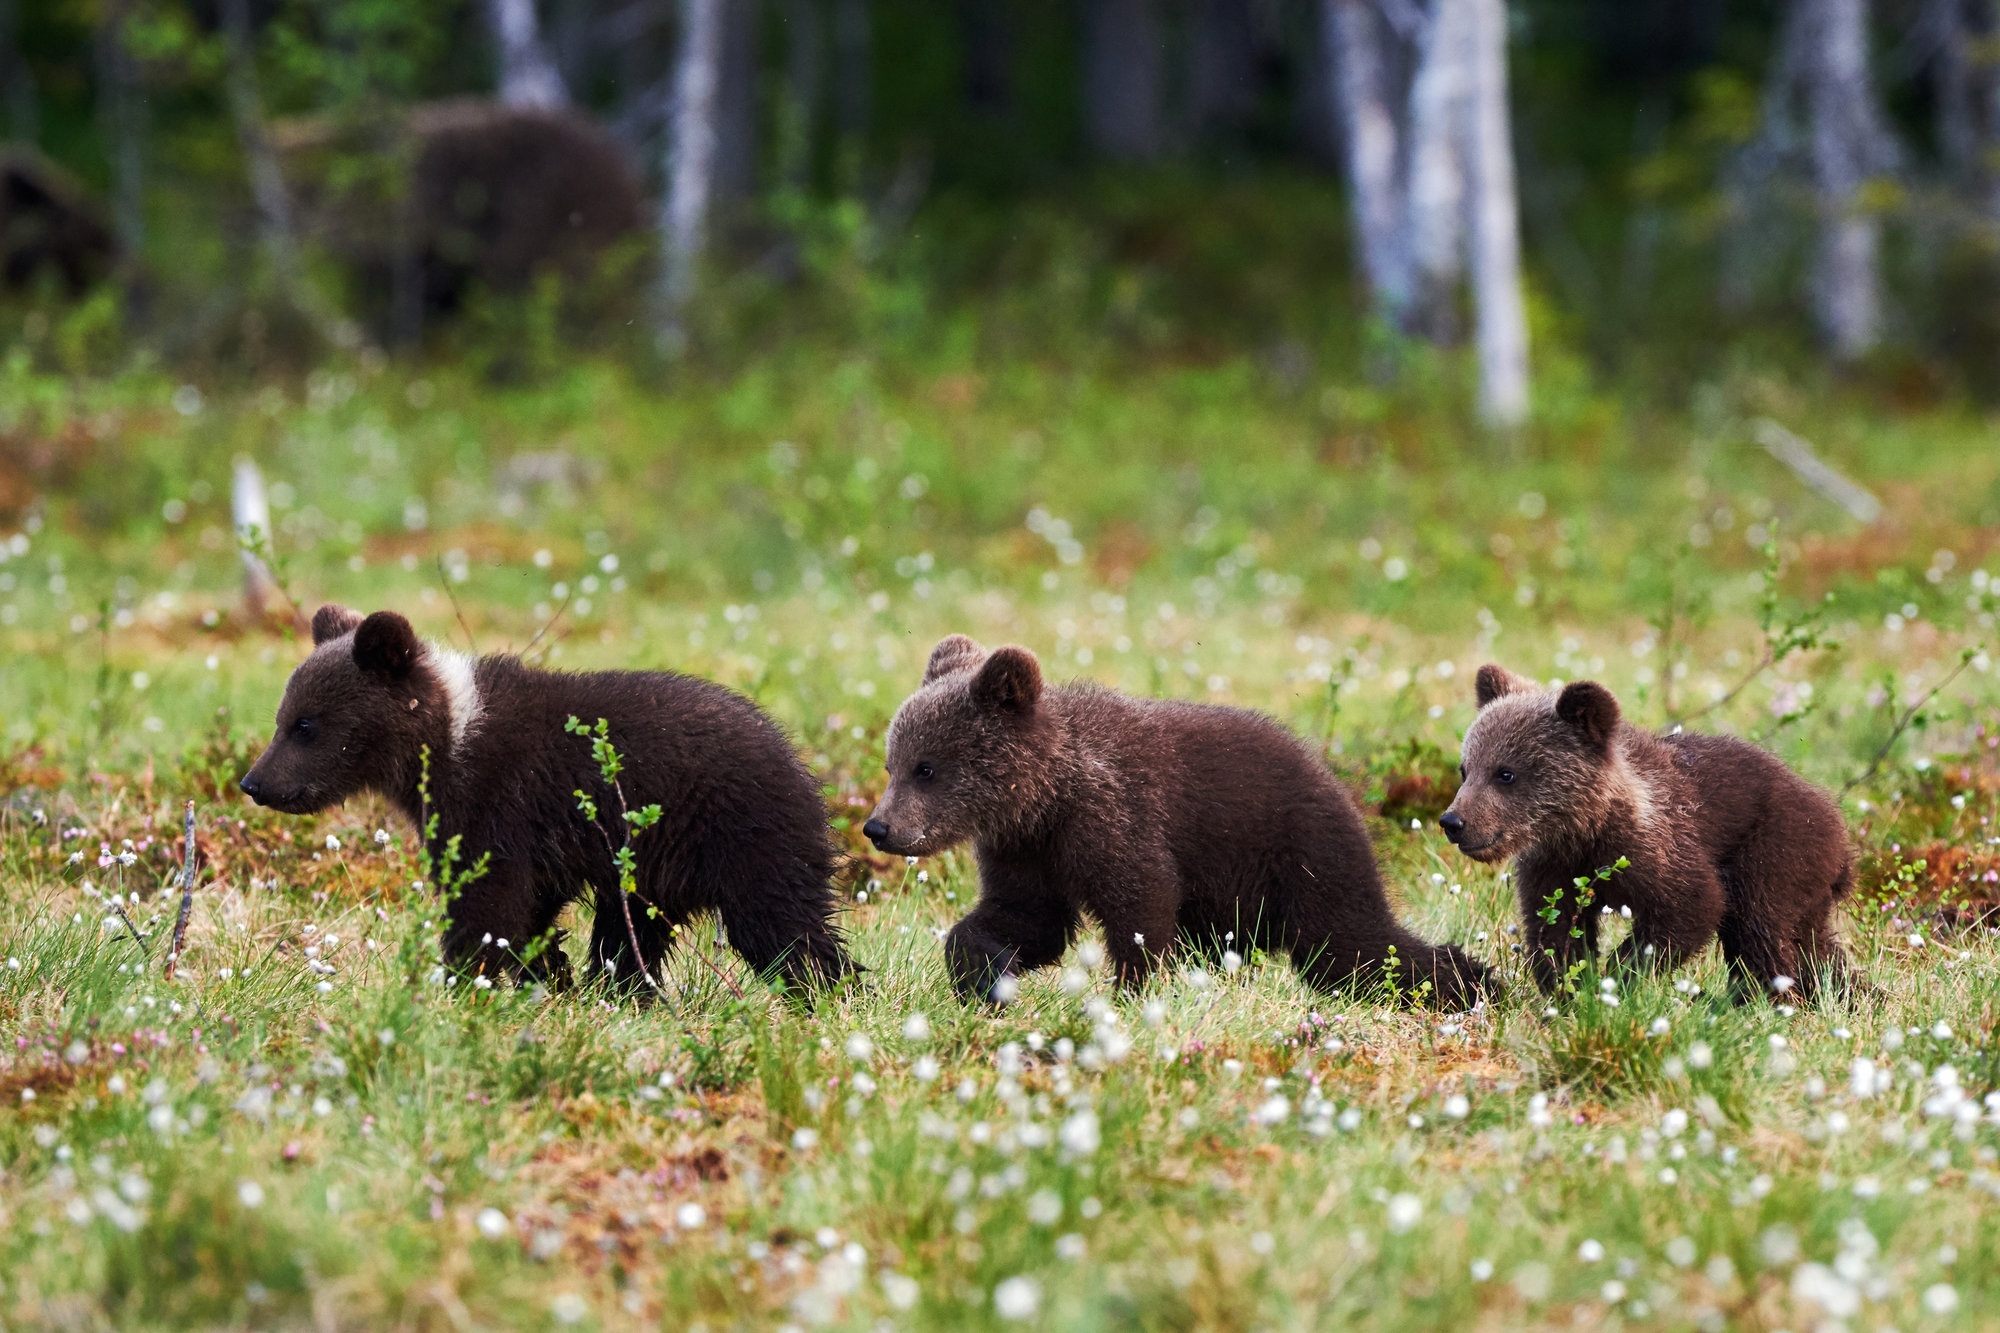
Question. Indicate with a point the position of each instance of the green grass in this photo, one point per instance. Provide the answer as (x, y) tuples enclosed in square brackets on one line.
[(257, 1144)]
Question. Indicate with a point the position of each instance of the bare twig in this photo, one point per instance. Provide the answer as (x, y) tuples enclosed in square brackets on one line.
[(1763, 662), (549, 624), (138, 936), (444, 580), (187, 899), (1909, 715)]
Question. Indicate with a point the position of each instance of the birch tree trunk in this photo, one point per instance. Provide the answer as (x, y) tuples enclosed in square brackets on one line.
[(1360, 60), (1124, 79), (691, 154), (528, 75), (1501, 315), (1845, 145), (1440, 107)]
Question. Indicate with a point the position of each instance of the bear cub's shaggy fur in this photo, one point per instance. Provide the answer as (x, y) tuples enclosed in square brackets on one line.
[(742, 831), (1723, 839), (1161, 819)]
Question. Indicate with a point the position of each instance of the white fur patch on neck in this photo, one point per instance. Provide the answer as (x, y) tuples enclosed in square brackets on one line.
[(461, 691)]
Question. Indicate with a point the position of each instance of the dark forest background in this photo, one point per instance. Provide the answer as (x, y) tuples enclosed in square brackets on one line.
[(1700, 183)]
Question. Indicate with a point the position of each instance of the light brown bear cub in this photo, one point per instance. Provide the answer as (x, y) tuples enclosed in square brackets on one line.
[(1722, 838), (1163, 820)]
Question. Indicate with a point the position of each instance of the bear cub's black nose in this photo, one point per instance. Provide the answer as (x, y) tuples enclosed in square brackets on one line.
[(1452, 824), (249, 785), (875, 830)]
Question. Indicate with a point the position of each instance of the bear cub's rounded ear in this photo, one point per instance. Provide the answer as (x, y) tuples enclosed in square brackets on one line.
[(1009, 682), (385, 643), (1591, 709), (331, 621), (954, 652), (1494, 681)]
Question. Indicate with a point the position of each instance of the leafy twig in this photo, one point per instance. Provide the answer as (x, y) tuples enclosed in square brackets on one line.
[(1903, 723), (187, 899), (1782, 638)]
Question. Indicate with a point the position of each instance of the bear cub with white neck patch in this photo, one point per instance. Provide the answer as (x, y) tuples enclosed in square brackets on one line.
[(1723, 840), (742, 831), (1168, 822)]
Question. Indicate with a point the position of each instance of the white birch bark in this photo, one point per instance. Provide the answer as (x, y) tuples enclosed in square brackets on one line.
[(1359, 58), (691, 155), (1501, 314), (1846, 131), (528, 75), (1440, 109)]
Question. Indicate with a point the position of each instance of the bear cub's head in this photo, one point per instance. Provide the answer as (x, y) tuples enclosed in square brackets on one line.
[(962, 751), (1533, 769), (353, 715)]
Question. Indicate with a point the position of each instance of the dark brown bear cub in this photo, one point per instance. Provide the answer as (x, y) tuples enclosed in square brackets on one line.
[(1722, 838), (742, 831), (1160, 819)]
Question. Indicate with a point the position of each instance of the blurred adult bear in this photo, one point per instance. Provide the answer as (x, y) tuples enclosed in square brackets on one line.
[(1164, 820), (742, 831)]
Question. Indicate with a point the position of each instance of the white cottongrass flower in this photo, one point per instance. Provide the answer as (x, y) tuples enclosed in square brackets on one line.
[(1273, 1112), (1590, 1252), (1018, 1298), (859, 1047), (1080, 1134), (1941, 1298), (916, 1028), (900, 1291), (805, 1138), (492, 1223), (690, 1217), (1070, 1246), (1458, 1106), (250, 1194), (925, 1070), (569, 1308), (1045, 1208), (332, 843), (1405, 1211)]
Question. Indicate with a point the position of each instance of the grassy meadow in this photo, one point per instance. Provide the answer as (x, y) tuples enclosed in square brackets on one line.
[(310, 1126)]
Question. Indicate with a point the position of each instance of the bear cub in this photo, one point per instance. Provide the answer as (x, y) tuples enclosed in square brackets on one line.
[(742, 831), (1161, 819), (1722, 838)]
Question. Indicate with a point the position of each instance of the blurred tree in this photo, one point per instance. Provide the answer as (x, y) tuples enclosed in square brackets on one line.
[(528, 76), (24, 121), (1124, 79), (1821, 116), (691, 161), (121, 108), (1430, 162)]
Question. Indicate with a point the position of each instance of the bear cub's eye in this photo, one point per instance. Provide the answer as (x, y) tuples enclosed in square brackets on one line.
[(303, 728), (923, 772), (1503, 776)]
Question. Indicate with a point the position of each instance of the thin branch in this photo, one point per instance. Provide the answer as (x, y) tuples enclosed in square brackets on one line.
[(187, 899), (549, 624), (1903, 723), (138, 936), (444, 580), (1763, 663)]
